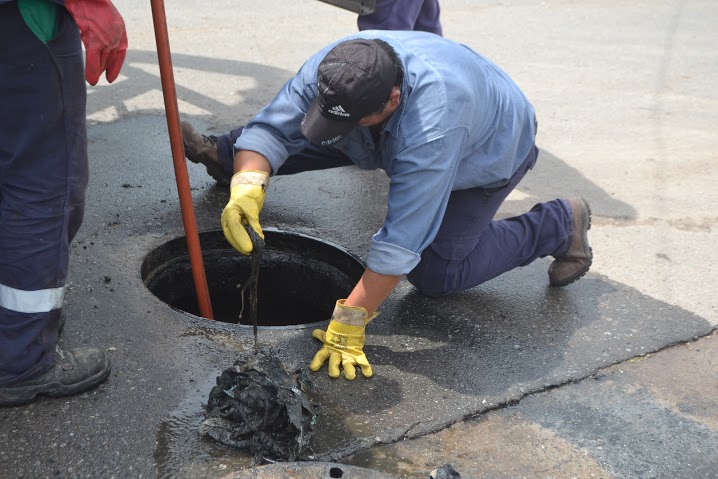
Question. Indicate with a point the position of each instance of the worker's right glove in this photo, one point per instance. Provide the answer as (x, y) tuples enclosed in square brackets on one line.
[(102, 31), (344, 342), (246, 200)]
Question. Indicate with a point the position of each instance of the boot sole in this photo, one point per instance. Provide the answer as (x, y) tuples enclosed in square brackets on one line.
[(579, 274), (30, 393), (582, 272)]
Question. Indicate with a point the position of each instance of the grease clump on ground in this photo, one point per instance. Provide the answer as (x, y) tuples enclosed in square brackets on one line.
[(258, 405)]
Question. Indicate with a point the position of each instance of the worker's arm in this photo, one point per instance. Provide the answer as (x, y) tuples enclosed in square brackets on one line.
[(371, 290), (246, 160), (419, 190)]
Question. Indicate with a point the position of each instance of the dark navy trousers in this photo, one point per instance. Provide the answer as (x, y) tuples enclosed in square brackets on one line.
[(43, 178), (470, 247), (418, 15)]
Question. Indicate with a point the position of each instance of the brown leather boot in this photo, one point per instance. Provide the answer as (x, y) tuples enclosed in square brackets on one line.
[(577, 260), (203, 149)]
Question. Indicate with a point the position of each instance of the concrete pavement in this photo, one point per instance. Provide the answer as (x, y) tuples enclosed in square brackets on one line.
[(653, 416), (614, 376)]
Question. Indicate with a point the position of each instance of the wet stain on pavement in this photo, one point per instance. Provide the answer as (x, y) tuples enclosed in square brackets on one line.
[(686, 381), (182, 453), (502, 444)]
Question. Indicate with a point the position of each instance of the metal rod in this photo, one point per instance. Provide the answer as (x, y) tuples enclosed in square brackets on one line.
[(183, 188)]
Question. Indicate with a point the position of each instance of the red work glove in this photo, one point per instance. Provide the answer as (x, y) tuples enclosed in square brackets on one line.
[(103, 32)]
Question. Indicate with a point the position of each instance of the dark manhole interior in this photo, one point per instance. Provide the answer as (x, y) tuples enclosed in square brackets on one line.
[(300, 278)]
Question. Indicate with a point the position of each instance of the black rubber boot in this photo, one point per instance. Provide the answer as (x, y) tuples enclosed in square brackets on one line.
[(74, 371)]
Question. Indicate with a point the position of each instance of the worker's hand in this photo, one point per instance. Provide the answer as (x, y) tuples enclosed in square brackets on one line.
[(246, 200), (103, 33), (344, 342)]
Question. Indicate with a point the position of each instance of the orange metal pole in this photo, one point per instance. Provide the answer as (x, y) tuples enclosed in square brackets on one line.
[(183, 188)]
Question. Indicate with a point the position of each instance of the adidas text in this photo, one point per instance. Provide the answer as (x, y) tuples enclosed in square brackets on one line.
[(338, 110), (332, 141)]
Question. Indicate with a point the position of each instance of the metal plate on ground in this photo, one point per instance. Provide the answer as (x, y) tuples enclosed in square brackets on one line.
[(308, 470)]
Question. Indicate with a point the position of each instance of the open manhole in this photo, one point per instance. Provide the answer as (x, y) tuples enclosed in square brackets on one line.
[(300, 278)]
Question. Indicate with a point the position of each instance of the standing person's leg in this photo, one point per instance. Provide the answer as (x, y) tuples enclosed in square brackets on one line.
[(391, 15), (43, 178), (429, 18), (471, 248)]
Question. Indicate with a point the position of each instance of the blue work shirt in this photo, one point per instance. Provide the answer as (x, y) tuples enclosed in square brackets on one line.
[(461, 123)]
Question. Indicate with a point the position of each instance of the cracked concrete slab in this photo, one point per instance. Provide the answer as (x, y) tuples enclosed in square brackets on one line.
[(652, 416)]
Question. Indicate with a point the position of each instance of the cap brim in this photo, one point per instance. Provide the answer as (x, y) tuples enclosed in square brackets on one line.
[(323, 131)]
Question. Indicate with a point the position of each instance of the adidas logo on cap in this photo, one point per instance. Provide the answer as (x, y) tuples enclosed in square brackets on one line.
[(339, 111)]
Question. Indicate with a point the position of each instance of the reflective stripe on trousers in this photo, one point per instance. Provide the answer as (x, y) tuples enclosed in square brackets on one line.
[(40, 301)]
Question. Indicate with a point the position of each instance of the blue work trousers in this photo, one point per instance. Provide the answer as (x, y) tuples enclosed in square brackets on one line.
[(417, 15), (43, 178), (470, 247)]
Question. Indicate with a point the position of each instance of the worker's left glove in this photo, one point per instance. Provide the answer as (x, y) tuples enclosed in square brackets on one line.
[(344, 342), (246, 200), (102, 31)]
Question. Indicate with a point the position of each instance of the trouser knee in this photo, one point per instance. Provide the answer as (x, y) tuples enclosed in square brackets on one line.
[(429, 281)]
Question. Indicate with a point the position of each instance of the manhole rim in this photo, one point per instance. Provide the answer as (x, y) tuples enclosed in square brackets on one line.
[(247, 327)]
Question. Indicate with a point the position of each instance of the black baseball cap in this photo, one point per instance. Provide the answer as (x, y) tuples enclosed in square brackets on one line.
[(354, 80)]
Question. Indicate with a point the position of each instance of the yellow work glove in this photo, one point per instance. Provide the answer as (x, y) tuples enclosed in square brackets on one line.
[(344, 342), (247, 190)]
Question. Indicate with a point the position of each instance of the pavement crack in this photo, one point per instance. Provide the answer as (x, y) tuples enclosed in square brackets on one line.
[(403, 435), (511, 401)]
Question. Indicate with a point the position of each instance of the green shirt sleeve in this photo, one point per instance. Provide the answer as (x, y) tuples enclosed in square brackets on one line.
[(40, 17)]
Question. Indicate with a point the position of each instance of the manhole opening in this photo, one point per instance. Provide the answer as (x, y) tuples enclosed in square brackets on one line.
[(300, 278), (335, 472)]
